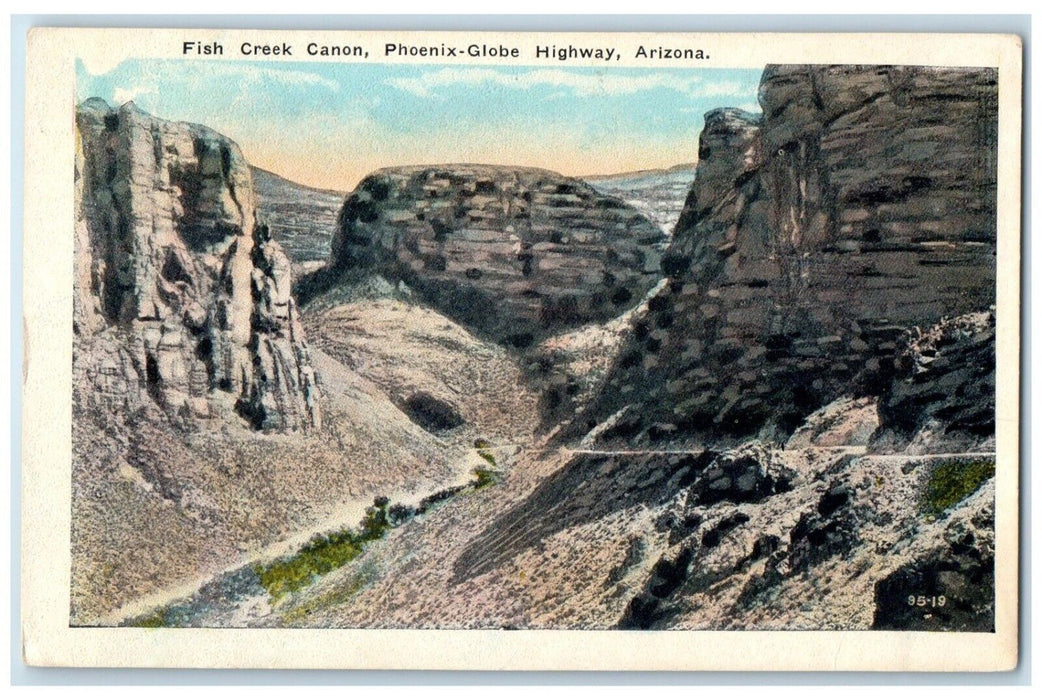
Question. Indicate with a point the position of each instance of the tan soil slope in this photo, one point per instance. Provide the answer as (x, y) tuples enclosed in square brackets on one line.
[(155, 508), (409, 350)]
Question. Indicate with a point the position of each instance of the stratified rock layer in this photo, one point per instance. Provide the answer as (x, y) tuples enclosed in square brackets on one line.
[(304, 216), (859, 206), (181, 297), (513, 253)]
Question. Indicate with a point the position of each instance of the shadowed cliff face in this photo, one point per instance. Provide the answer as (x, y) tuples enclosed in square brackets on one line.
[(181, 296), (514, 253), (814, 241)]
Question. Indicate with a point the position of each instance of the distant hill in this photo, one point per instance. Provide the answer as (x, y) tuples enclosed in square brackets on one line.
[(657, 194), (679, 167), (302, 218)]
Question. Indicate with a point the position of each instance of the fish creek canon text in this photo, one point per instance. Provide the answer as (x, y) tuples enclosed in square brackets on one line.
[(556, 52)]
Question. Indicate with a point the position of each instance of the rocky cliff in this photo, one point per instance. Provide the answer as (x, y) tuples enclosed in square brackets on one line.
[(513, 253), (304, 216), (182, 298), (816, 241)]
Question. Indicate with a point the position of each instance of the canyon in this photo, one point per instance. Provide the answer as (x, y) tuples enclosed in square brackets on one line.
[(754, 393)]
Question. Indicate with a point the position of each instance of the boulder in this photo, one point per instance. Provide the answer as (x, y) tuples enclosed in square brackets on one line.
[(743, 475)]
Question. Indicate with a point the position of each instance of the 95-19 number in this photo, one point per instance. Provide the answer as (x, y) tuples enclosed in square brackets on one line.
[(927, 601)]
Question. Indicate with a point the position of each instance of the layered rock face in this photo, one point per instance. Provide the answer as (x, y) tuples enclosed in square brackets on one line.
[(657, 194), (513, 253), (181, 297), (305, 217), (815, 239)]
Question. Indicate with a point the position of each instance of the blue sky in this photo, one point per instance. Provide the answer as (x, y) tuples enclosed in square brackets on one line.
[(329, 124)]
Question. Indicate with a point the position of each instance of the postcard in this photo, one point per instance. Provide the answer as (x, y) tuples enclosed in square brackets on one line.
[(484, 350)]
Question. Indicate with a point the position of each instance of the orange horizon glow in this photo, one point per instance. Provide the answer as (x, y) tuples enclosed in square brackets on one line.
[(342, 174)]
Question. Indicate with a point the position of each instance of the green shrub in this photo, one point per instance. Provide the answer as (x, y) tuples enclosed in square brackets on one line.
[(951, 482), (485, 477), (439, 497), (331, 598), (322, 554), (319, 556), (375, 523), (399, 514), (154, 619)]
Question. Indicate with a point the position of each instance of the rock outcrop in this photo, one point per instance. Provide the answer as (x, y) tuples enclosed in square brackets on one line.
[(957, 574), (741, 476), (515, 254), (852, 530), (860, 206), (182, 298), (945, 386)]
